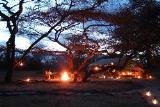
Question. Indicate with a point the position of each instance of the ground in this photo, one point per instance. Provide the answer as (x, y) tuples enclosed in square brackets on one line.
[(59, 94)]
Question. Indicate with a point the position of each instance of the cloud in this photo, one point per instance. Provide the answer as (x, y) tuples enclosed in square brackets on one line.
[(53, 46), (4, 37), (22, 43)]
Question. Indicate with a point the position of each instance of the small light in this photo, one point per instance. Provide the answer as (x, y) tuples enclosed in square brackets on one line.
[(155, 101), (28, 80), (150, 77), (129, 73), (112, 63), (139, 77), (111, 77), (113, 70), (123, 73), (148, 93), (104, 76), (21, 64), (96, 68), (118, 78)]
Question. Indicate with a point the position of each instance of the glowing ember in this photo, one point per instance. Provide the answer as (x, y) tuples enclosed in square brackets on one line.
[(155, 101), (148, 93), (65, 76), (28, 80)]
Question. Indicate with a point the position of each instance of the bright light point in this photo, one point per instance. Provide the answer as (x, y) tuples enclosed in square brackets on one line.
[(129, 73), (155, 101), (96, 68), (148, 93), (118, 78), (139, 77), (112, 63), (150, 77), (65, 76), (28, 80), (21, 64), (123, 73), (102, 76)]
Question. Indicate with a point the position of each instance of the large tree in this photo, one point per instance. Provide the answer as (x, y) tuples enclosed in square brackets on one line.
[(56, 18), (11, 16), (139, 37), (82, 49), (136, 29)]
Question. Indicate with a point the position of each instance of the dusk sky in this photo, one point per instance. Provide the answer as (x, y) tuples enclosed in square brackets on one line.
[(24, 43)]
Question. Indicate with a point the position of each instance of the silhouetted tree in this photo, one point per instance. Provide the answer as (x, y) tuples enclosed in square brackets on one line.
[(81, 49), (11, 16), (55, 18), (139, 37)]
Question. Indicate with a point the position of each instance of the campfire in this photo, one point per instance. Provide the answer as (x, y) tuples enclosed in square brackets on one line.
[(65, 76)]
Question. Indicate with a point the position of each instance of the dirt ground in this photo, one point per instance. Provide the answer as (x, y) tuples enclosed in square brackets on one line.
[(58, 94), (72, 101)]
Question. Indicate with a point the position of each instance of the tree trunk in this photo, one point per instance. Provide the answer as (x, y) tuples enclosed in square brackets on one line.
[(148, 58), (10, 56)]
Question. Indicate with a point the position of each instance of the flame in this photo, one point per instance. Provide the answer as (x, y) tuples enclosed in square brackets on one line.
[(65, 76)]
